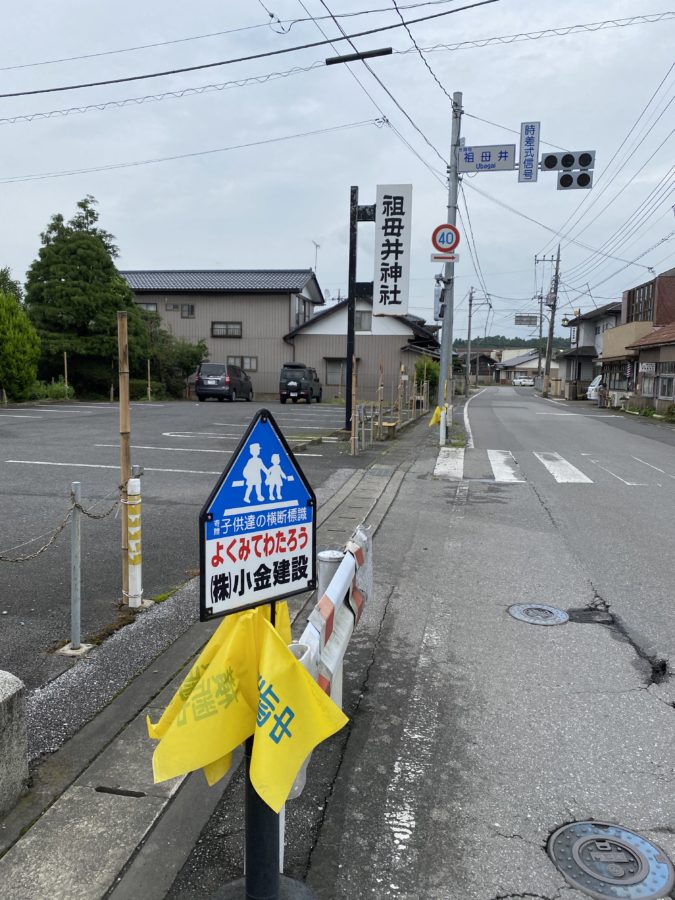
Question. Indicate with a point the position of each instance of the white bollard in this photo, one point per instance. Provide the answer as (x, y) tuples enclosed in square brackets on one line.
[(443, 431), (134, 537)]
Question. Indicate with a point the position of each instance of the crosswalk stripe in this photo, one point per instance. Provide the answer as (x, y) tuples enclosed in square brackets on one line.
[(563, 472), (450, 463), (504, 466)]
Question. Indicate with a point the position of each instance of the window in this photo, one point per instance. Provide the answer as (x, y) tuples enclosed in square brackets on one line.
[(187, 310), (665, 387), (226, 329), (597, 329), (247, 363), (641, 303), (362, 320), (170, 307), (665, 368), (148, 307), (647, 385), (336, 372)]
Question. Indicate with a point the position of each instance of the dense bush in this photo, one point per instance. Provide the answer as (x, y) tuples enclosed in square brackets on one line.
[(55, 390)]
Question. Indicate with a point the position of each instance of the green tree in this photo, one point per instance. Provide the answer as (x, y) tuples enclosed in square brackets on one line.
[(172, 359), (19, 349), (73, 294), (8, 285), (426, 369)]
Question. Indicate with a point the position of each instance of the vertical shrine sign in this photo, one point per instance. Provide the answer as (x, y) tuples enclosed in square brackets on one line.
[(393, 228), (257, 530)]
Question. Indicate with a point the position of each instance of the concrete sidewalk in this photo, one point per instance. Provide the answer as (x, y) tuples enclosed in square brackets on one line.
[(93, 822)]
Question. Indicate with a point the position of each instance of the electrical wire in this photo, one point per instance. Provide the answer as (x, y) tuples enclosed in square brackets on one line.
[(616, 153), (421, 55), (228, 62), (534, 221), (213, 34), (14, 179)]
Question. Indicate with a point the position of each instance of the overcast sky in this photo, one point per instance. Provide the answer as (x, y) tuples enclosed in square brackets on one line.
[(264, 205)]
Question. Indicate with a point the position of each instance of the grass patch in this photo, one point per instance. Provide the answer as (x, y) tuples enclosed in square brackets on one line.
[(160, 598)]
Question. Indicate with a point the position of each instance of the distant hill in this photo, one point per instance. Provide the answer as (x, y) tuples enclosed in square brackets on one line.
[(500, 341)]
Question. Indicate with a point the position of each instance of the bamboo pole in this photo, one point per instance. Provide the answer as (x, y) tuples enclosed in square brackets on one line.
[(125, 442)]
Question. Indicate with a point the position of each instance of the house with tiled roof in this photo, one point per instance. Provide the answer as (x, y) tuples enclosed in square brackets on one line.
[(656, 368), (394, 342), (242, 314), (583, 361)]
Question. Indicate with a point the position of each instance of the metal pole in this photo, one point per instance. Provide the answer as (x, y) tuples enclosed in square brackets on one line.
[(125, 442), (75, 558), (351, 303), (467, 377), (445, 386), (352, 404), (551, 324), (261, 841)]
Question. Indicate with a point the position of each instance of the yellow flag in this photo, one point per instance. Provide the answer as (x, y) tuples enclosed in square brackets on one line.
[(246, 680), (294, 715), (436, 418), (214, 709)]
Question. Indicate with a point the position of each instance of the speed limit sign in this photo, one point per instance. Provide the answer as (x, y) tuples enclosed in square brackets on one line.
[(445, 238)]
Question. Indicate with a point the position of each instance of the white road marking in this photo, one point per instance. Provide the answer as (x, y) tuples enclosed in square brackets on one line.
[(583, 415), (609, 472), (209, 435), (467, 426), (18, 416), (504, 466), (662, 471), (40, 462), (298, 427), (168, 449), (562, 470), (450, 463)]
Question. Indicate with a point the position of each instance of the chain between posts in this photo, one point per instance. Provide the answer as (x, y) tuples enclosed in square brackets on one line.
[(56, 532)]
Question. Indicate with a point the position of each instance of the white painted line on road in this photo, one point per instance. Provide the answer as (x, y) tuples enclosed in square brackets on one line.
[(583, 415), (167, 449), (450, 463), (209, 435), (563, 472), (467, 426), (298, 427), (504, 466), (18, 416), (662, 471), (39, 462), (629, 483)]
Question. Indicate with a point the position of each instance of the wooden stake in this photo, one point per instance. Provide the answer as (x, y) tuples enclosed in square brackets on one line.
[(65, 371), (149, 383), (125, 442)]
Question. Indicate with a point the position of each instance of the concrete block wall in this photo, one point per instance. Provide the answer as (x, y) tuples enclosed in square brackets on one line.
[(13, 748)]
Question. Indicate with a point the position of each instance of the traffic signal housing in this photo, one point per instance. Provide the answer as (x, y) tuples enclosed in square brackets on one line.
[(573, 167)]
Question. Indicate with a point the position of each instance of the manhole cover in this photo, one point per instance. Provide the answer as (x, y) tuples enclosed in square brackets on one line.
[(605, 860), (538, 614)]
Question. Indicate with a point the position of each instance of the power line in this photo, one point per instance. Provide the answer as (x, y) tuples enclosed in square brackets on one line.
[(239, 59), (160, 159), (523, 215), (421, 55), (212, 34), (616, 153)]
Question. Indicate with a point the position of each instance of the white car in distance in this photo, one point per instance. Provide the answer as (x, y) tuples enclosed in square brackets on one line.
[(523, 381)]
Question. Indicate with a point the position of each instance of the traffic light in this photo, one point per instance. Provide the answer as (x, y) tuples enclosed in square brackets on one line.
[(573, 168), (571, 159), (575, 180)]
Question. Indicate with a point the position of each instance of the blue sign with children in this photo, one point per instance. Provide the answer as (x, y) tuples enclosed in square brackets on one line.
[(257, 530)]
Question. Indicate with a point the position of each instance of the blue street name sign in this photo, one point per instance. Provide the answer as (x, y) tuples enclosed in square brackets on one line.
[(257, 530)]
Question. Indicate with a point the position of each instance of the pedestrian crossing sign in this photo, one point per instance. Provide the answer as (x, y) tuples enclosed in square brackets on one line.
[(257, 530)]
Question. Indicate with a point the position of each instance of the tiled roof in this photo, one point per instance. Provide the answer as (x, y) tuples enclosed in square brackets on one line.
[(234, 280), (613, 307), (588, 350), (517, 360), (416, 324), (665, 334)]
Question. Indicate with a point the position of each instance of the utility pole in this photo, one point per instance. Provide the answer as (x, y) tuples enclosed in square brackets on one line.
[(445, 385), (467, 377), (541, 331), (551, 302)]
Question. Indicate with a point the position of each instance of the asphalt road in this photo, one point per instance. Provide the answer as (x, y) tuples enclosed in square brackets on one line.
[(614, 515), (182, 447)]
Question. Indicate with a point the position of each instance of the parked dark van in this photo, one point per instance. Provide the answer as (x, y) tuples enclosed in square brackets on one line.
[(299, 382), (223, 382)]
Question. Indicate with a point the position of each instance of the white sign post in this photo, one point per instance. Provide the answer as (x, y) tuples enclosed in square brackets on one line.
[(392, 249), (528, 168), (488, 158)]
